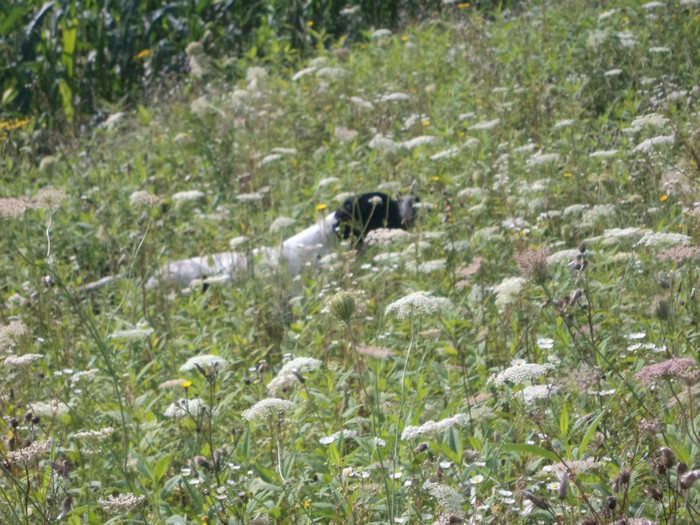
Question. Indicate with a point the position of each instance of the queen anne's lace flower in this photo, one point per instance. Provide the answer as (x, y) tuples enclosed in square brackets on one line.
[(21, 360), (447, 497), (183, 407), (29, 454), (509, 290), (135, 334), (521, 373), (203, 361), (418, 303), (121, 504), (432, 428), (300, 364), (280, 223), (664, 239), (268, 407), (50, 408)]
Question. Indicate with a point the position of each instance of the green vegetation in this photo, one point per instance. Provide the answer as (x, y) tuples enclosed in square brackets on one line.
[(526, 354)]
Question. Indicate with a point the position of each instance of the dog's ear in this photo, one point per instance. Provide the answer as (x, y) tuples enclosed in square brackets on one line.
[(369, 211)]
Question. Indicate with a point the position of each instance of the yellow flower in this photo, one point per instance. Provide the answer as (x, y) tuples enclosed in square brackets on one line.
[(187, 384), (664, 198), (321, 207), (463, 5), (142, 54), (568, 175), (404, 38), (426, 123), (436, 179), (307, 503), (309, 23)]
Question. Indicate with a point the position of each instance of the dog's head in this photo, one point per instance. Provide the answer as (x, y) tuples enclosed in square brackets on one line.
[(361, 214)]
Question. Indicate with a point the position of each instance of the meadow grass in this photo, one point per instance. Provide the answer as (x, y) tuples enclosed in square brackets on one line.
[(528, 354)]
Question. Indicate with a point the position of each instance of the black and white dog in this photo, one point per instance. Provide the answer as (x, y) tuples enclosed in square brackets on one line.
[(353, 220)]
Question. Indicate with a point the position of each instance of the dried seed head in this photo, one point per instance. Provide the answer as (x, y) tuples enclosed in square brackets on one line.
[(681, 468), (625, 476), (659, 468), (611, 502), (538, 501), (563, 486), (667, 457), (218, 455), (655, 493), (688, 479), (422, 447), (203, 462)]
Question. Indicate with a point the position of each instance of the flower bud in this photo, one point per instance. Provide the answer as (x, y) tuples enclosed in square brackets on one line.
[(342, 305)]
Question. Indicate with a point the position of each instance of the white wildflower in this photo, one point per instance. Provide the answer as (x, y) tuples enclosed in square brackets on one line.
[(607, 14), (664, 239), (268, 407), (446, 154), (533, 392), (433, 428), (250, 197), (381, 33), (237, 241), (427, 266), (30, 453), (136, 334), (381, 142), (387, 236), (302, 73), (331, 72), (448, 498), (650, 144), (327, 182), (485, 125), (545, 343), (563, 256), (187, 196), (269, 159), (418, 303), (327, 440), (395, 97), (599, 212), (543, 158), (203, 361), (509, 290), (613, 72), (11, 334), (281, 383), (344, 134), (94, 436), (49, 408), (563, 123), (652, 5), (300, 364), (603, 154), (121, 504), (659, 50), (651, 120), (182, 407), (418, 141), (143, 198), (521, 373), (362, 103), (255, 75), (281, 223), (626, 38), (20, 361), (575, 209)]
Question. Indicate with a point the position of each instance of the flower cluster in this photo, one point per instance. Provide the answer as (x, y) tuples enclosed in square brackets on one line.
[(121, 504), (204, 361), (31, 453), (20, 361), (684, 369), (521, 373), (268, 407), (432, 428), (418, 303), (509, 290)]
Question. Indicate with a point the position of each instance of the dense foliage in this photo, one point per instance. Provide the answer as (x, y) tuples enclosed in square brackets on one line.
[(526, 353), (61, 58)]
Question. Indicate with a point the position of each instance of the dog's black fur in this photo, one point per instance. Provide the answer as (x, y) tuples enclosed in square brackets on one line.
[(362, 213)]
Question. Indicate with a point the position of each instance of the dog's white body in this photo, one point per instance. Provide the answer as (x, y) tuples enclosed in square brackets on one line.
[(294, 253)]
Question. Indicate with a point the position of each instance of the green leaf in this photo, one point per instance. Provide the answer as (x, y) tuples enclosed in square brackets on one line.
[(67, 99), (169, 486), (589, 434), (564, 421), (144, 116), (161, 468), (534, 450)]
